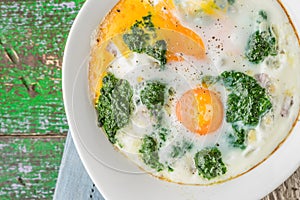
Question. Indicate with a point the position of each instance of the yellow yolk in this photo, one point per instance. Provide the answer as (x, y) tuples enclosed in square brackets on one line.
[(123, 16), (209, 7), (200, 111)]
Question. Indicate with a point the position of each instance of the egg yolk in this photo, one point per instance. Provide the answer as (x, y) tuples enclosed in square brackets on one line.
[(209, 7), (179, 38), (126, 12), (200, 111)]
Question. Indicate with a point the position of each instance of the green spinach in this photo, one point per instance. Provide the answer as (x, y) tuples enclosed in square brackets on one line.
[(153, 95), (180, 150), (209, 163), (142, 39), (114, 105), (149, 153), (247, 102), (238, 136), (262, 42)]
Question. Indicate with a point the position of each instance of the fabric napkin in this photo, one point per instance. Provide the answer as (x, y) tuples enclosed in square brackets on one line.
[(73, 181)]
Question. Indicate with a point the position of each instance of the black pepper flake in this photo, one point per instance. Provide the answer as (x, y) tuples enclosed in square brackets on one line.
[(118, 10)]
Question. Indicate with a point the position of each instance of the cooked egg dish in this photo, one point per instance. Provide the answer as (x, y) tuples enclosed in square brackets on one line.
[(196, 91)]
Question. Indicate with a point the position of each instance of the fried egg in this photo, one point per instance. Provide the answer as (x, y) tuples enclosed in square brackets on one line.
[(211, 87)]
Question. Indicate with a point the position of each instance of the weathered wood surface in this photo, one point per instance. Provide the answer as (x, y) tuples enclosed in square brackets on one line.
[(289, 190), (33, 35), (32, 119), (28, 167)]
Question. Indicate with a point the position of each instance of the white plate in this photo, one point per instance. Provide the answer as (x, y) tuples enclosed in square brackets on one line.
[(115, 176)]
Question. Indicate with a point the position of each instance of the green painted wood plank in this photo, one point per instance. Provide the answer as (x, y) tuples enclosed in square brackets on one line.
[(29, 167), (33, 35)]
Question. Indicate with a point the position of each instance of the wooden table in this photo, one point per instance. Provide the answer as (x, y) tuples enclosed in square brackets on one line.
[(33, 123)]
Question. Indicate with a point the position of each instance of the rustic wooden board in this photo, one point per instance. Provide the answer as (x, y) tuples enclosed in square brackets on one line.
[(289, 190), (29, 167), (32, 38)]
